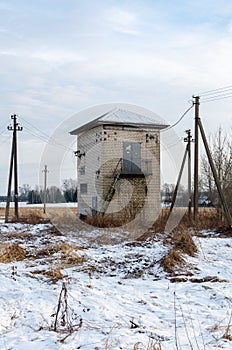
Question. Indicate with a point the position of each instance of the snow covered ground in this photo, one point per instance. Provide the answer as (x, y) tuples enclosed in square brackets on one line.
[(49, 205), (114, 296)]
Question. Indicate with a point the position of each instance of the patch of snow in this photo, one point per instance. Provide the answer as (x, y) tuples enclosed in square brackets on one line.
[(121, 295)]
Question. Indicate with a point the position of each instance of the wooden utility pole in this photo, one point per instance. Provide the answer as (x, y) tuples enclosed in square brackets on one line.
[(16, 199), (187, 139), (178, 182), (45, 171), (216, 179), (9, 182), (196, 157), (13, 162)]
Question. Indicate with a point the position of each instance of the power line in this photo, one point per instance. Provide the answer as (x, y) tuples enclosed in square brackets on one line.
[(35, 127), (47, 138), (179, 120), (216, 94), (3, 127), (42, 138), (216, 98), (221, 90)]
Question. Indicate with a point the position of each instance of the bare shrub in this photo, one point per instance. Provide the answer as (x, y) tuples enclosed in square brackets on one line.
[(11, 252)]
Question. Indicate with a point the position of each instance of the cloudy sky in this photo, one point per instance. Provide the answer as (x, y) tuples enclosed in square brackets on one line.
[(59, 57)]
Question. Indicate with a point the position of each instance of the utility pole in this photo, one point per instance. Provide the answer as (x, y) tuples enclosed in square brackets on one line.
[(45, 171), (196, 157), (178, 182), (216, 179), (188, 139), (9, 182), (13, 162)]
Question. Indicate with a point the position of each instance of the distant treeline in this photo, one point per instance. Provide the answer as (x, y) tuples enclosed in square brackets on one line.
[(54, 194)]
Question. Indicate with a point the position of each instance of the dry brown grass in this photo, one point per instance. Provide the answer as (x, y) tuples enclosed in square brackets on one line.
[(183, 242), (208, 218), (54, 274), (170, 261), (36, 215), (11, 252), (68, 254), (104, 221)]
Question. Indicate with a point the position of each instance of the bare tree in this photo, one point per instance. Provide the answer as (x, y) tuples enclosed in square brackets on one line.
[(70, 190), (24, 192), (220, 144)]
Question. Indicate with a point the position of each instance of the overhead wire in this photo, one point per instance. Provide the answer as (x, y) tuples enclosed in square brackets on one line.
[(179, 120), (48, 141), (3, 127), (216, 98), (216, 94), (219, 90), (46, 137)]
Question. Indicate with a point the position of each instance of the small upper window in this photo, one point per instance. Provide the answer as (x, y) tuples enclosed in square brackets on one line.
[(83, 188), (82, 170)]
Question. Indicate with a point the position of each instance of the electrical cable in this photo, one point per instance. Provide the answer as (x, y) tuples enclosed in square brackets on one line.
[(219, 90), (179, 120), (3, 126), (216, 94), (211, 99), (47, 141), (29, 123), (46, 136)]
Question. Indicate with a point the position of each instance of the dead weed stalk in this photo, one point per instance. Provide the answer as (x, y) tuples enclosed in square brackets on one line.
[(152, 345), (64, 316), (227, 335)]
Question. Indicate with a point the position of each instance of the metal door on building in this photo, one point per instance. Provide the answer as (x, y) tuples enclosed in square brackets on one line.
[(94, 206), (131, 158)]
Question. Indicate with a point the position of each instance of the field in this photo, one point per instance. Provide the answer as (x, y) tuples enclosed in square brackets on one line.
[(87, 289)]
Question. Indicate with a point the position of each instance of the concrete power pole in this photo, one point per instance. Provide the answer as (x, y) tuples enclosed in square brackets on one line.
[(187, 139), (9, 182), (45, 171), (196, 157), (216, 179), (13, 161)]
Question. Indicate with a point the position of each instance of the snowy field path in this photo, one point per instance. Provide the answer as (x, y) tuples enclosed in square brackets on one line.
[(117, 297)]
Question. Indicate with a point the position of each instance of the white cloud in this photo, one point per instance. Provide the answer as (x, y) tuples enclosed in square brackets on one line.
[(157, 56), (122, 21)]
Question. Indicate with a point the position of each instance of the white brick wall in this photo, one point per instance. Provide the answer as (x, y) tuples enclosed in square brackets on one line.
[(103, 147)]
